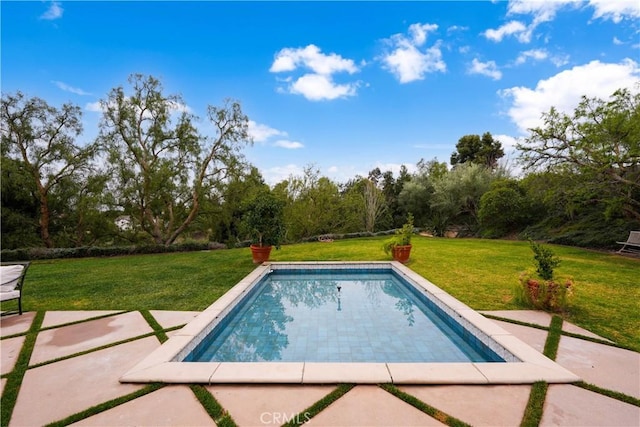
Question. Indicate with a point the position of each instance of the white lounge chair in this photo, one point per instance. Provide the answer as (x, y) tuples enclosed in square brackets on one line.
[(633, 241), (11, 280)]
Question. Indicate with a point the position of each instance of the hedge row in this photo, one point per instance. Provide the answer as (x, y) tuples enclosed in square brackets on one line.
[(30, 254)]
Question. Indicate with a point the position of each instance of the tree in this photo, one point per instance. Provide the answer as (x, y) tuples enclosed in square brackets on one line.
[(417, 193), (19, 206), (456, 196), (43, 138), (374, 204), (481, 150), (162, 166), (601, 141), (504, 208)]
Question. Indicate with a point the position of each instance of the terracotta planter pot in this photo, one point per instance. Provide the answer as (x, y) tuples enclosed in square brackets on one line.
[(260, 253), (401, 253)]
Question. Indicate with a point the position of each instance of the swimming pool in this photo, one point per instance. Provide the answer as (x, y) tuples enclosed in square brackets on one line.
[(339, 315), (335, 341)]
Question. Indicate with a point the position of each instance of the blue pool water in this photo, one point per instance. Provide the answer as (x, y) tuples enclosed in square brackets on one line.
[(338, 316)]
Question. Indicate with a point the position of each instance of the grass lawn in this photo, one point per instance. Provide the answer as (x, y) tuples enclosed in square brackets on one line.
[(481, 273)]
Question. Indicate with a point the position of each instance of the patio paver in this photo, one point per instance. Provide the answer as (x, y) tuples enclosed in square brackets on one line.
[(63, 388), (55, 318), (570, 327), (605, 366), (536, 338), (169, 319), (67, 340), (477, 405), (9, 352), (369, 405), (169, 406), (16, 324), (567, 405), (528, 316), (260, 405)]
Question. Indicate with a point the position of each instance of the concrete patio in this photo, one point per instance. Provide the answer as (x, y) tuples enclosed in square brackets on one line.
[(66, 375)]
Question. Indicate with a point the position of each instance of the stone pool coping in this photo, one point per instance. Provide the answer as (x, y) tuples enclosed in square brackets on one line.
[(163, 365)]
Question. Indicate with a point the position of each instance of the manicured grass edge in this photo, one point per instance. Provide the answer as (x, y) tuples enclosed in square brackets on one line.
[(313, 410), (553, 338), (565, 333), (110, 404), (217, 413), (14, 379), (113, 344), (68, 323), (420, 405), (535, 406), (157, 328), (609, 393)]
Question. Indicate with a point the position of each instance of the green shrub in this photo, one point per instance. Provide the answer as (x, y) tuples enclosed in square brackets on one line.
[(541, 291)]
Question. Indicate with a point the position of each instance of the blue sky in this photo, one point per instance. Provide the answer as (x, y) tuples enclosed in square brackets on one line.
[(344, 86)]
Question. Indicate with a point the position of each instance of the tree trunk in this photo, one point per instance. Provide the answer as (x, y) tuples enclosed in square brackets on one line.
[(44, 218)]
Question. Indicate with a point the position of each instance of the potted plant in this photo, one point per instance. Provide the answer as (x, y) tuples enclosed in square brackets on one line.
[(399, 246), (541, 290), (264, 220)]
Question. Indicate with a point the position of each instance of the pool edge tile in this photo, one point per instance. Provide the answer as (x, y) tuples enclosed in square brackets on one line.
[(333, 373), (436, 373), (258, 372), (173, 372)]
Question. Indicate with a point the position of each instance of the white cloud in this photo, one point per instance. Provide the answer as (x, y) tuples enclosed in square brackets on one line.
[(407, 60), (67, 88), (261, 133), (617, 41), (53, 12), (318, 85), (564, 90), (489, 69), (542, 11), (95, 107), (534, 54), (291, 145), (508, 142), (278, 174), (311, 57), (508, 29), (616, 10), (455, 28), (419, 32)]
